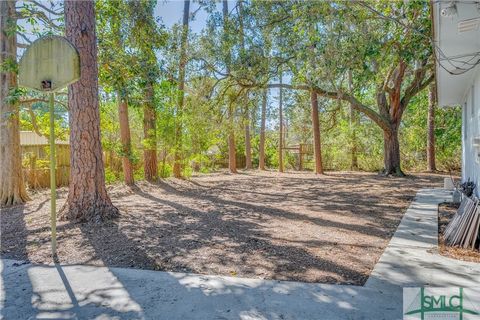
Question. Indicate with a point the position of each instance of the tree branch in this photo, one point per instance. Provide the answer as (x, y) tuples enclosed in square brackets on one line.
[(38, 4), (33, 100), (355, 103), (33, 117), (40, 15), (416, 86), (24, 37)]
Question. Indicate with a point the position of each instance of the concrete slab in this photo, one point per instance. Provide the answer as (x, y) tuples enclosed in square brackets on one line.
[(412, 259), (86, 292)]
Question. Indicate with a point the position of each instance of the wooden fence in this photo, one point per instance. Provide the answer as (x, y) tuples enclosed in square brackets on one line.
[(40, 178)]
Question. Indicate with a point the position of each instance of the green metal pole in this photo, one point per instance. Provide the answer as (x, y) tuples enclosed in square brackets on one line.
[(53, 184)]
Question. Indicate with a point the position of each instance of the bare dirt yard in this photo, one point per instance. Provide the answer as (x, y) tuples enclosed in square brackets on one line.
[(446, 212), (291, 226)]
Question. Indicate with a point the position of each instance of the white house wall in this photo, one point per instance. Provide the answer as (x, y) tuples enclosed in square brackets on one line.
[(454, 51), (471, 130)]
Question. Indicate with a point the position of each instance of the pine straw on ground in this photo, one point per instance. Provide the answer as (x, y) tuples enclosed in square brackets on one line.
[(446, 212), (290, 226)]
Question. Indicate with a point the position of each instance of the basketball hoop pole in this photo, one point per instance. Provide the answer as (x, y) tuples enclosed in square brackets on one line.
[(49, 64), (53, 184)]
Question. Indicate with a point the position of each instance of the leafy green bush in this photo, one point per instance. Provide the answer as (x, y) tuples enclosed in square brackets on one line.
[(110, 176), (165, 171)]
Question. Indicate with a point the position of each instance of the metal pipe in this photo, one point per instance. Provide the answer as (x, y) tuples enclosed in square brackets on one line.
[(53, 184)]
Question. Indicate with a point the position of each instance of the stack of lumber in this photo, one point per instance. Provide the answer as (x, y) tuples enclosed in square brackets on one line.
[(463, 230)]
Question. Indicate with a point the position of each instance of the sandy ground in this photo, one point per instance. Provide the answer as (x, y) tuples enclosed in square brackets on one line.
[(291, 226), (445, 214)]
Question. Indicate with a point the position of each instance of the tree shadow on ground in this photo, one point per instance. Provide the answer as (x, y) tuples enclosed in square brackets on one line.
[(267, 227), (23, 297), (244, 239), (174, 239), (13, 230), (83, 293)]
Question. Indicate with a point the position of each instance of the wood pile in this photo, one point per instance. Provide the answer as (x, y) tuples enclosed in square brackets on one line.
[(463, 230)]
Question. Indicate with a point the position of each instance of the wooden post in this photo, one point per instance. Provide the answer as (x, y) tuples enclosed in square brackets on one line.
[(300, 156), (261, 156), (280, 135)]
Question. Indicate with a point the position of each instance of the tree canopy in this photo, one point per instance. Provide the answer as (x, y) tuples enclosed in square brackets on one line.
[(175, 100)]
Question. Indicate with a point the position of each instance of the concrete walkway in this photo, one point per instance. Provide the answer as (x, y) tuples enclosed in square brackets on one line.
[(411, 258), (70, 292), (84, 292)]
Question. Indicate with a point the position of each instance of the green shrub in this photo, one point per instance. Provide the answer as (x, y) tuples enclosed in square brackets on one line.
[(110, 176), (165, 171)]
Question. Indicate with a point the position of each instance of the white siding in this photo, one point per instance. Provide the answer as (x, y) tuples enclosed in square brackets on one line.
[(471, 129)]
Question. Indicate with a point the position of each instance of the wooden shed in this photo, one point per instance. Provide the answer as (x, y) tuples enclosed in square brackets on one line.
[(36, 158)]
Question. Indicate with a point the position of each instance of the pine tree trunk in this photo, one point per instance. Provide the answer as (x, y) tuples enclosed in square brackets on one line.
[(232, 161), (12, 186), (248, 144), (125, 139), (261, 157), (353, 128), (232, 155), (87, 196), (316, 134), (391, 149), (111, 160), (280, 130), (431, 166), (177, 165), (150, 161), (353, 149)]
